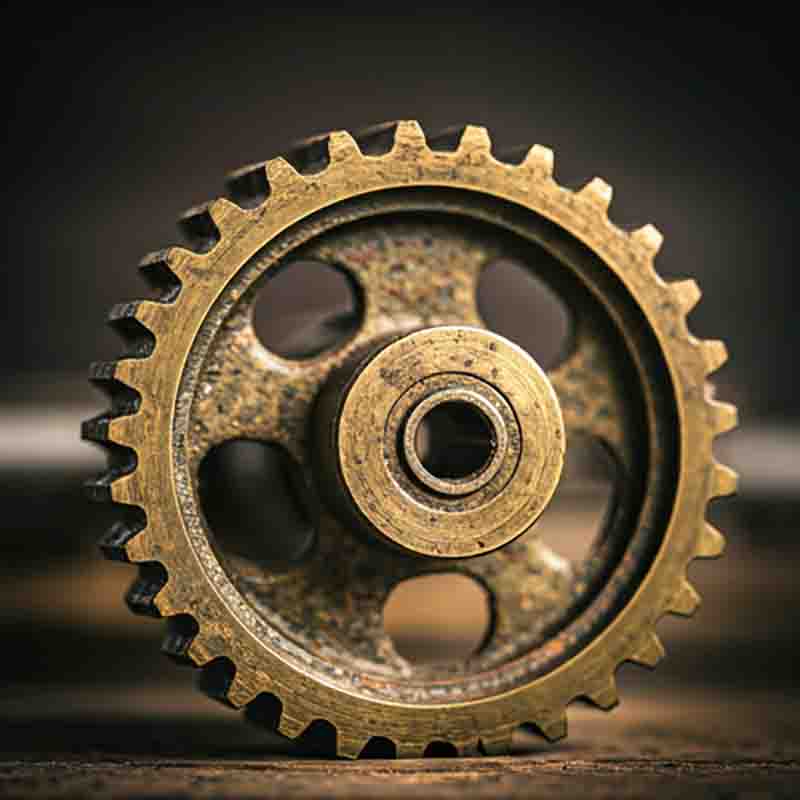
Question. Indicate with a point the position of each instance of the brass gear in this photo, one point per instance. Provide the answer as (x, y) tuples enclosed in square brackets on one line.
[(194, 376)]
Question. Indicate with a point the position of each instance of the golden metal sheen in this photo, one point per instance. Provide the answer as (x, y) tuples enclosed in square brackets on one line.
[(412, 220), (382, 408), (459, 393)]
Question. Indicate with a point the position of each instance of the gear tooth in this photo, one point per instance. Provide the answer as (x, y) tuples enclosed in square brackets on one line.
[(598, 193), (123, 489), (406, 749), (248, 186), (199, 228), (314, 155), (712, 542), (164, 271), (686, 600), (242, 690), (138, 547), (553, 728), (201, 649), (476, 139), (409, 135), (227, 217), (142, 593), (649, 238), (687, 294), (125, 431), (222, 680), (349, 745), (541, 160), (181, 632), (206, 224), (461, 138), (113, 433), (649, 651), (119, 537), (283, 177), (723, 480), (150, 314), (291, 724), (130, 321), (126, 371), (113, 485), (342, 147), (118, 380), (218, 680), (124, 398), (605, 694), (715, 354), (103, 428), (725, 417), (171, 605)]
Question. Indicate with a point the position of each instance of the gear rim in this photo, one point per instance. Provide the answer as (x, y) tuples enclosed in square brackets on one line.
[(506, 675), (136, 416)]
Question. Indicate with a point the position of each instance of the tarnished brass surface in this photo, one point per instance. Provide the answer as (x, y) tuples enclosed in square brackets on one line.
[(371, 433), (412, 222)]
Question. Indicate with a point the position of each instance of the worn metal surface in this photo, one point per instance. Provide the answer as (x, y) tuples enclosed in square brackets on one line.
[(370, 428), (412, 222)]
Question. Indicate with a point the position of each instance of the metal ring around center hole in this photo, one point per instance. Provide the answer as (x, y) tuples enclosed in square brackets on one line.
[(478, 478)]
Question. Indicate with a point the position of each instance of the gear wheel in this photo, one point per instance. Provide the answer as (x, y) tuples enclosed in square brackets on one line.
[(412, 220)]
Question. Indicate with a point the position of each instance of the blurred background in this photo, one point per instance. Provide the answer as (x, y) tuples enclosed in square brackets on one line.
[(119, 120)]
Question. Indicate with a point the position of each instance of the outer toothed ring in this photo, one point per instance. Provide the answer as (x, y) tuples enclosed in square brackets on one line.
[(288, 642)]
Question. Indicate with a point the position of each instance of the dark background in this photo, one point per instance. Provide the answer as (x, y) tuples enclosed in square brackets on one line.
[(118, 120)]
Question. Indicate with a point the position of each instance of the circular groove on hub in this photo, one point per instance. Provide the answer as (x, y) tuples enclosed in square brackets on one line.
[(496, 442)]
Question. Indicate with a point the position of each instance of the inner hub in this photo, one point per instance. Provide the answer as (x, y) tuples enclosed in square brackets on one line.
[(447, 442), (455, 440)]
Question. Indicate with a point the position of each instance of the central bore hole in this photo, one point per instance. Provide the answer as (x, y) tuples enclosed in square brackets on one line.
[(454, 440)]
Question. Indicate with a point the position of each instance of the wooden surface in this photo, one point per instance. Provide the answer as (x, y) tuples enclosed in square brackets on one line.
[(159, 742), (88, 707)]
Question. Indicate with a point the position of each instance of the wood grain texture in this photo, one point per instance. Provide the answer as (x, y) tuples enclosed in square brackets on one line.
[(156, 742)]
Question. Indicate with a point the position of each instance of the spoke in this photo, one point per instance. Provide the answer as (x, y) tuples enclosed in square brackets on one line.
[(336, 596), (589, 392), (531, 587), (387, 265), (245, 392)]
